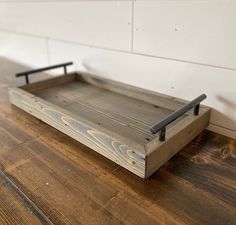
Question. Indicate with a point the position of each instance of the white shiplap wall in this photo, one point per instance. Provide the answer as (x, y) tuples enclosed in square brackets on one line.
[(180, 48)]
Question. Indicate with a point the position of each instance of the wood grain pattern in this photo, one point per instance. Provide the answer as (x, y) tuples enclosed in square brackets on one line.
[(134, 92), (69, 184), (119, 149), (136, 114), (15, 207)]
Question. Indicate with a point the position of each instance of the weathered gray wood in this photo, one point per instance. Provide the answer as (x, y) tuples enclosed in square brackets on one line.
[(111, 118), (141, 112), (119, 149), (148, 96), (130, 112)]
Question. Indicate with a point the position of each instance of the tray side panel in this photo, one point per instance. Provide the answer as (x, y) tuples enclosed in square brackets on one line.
[(158, 153), (63, 120)]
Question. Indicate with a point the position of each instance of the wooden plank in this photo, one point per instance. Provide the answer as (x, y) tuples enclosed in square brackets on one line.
[(142, 112), (112, 125), (120, 149), (145, 95)]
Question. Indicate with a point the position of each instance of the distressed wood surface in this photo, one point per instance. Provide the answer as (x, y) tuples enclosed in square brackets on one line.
[(56, 180), (113, 124), (105, 141), (15, 206), (126, 113)]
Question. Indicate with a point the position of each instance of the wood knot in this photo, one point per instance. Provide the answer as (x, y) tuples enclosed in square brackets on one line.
[(132, 162), (225, 152)]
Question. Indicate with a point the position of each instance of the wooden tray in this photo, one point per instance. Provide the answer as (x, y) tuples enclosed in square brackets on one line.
[(112, 118)]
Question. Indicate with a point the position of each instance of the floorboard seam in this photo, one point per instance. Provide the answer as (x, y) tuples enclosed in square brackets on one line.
[(35, 209)]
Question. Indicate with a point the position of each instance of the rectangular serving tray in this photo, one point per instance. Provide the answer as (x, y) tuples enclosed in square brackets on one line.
[(112, 118)]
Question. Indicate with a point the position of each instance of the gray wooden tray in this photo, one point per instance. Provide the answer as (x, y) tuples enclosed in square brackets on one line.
[(114, 119)]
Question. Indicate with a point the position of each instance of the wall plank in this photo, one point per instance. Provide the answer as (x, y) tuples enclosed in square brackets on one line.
[(177, 79), (99, 23), (195, 31)]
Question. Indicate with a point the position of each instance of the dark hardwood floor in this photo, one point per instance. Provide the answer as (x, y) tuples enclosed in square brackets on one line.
[(48, 178)]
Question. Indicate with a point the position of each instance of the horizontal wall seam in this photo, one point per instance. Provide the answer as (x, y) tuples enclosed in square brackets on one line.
[(116, 50)]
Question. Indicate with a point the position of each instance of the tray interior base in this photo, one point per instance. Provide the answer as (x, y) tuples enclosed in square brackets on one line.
[(115, 112)]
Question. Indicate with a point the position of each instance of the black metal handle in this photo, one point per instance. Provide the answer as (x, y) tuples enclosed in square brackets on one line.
[(29, 72), (161, 126)]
